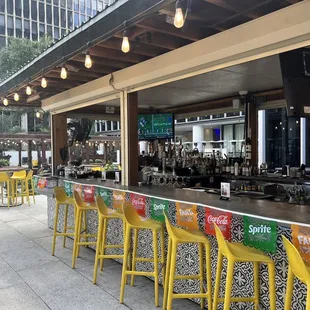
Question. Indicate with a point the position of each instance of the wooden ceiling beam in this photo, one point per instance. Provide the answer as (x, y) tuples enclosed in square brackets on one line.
[(103, 61), (96, 68), (81, 72), (71, 77), (116, 55), (159, 24), (136, 48)]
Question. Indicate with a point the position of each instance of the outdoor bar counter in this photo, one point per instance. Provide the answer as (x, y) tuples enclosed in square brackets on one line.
[(237, 217)]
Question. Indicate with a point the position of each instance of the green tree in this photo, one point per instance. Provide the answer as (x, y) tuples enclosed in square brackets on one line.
[(18, 52)]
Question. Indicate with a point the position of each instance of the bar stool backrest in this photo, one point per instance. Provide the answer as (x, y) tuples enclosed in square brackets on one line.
[(78, 199), (4, 177), (222, 243), (30, 174), (60, 194), (169, 226), (20, 174), (102, 207), (131, 215), (296, 262)]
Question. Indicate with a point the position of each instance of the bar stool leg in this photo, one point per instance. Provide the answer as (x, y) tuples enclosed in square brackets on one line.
[(166, 286), (134, 255), (55, 228), (98, 248), (125, 261), (103, 241), (32, 189), (85, 227), (200, 248), (162, 247), (155, 249), (76, 236), (229, 280), (171, 275), (308, 298), (217, 280), (26, 185), (209, 280), (65, 225), (272, 287), (256, 285), (289, 289)]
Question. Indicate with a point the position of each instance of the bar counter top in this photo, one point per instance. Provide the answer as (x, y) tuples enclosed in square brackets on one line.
[(281, 212)]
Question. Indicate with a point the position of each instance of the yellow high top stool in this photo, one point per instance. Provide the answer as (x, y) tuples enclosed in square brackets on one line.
[(234, 253), (5, 181), (81, 209), (104, 215), (29, 191), (135, 222), (62, 200), (19, 177), (296, 268), (178, 236)]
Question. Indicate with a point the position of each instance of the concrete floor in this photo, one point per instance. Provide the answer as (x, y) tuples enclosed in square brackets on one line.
[(31, 278)]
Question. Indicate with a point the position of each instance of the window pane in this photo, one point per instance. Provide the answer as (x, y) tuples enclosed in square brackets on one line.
[(100, 6), (69, 4), (108, 125), (50, 31), (34, 11), (34, 31), (63, 31), (2, 5), (10, 26), (63, 18), (18, 7), (18, 27), (82, 6), (49, 14), (114, 125), (2, 24), (76, 20), (26, 8), (82, 18), (41, 12), (27, 29), (88, 9), (63, 3), (48, 1), (94, 7), (42, 30), (56, 16), (76, 5), (9, 5), (2, 42), (56, 2), (70, 21), (56, 32)]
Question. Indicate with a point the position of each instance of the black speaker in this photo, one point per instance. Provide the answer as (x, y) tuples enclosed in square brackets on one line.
[(295, 67)]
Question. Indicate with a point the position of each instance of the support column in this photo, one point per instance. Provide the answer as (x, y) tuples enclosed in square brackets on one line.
[(252, 121), (20, 154), (261, 137), (129, 138), (198, 136), (29, 154), (303, 126), (59, 139), (43, 148)]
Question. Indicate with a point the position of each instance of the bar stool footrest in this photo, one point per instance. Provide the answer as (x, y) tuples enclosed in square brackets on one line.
[(87, 243), (110, 256), (188, 277), (239, 299), (113, 246), (144, 259), (140, 273), (186, 296)]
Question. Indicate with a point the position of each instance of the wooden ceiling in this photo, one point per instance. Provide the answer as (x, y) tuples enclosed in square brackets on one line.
[(151, 37)]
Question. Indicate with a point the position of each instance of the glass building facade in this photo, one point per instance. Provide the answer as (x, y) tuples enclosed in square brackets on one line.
[(33, 19)]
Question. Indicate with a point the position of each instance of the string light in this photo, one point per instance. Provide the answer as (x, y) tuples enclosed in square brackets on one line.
[(125, 43), (5, 102), (38, 114), (63, 73), (16, 96), (44, 82), (88, 61), (28, 90), (178, 17)]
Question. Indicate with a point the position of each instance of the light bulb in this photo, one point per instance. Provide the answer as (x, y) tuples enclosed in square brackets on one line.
[(125, 44), (28, 90), (178, 17), (63, 73), (16, 96), (5, 102), (88, 61), (44, 82), (38, 114)]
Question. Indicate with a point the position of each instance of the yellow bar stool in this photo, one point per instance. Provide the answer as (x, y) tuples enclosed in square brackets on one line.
[(296, 268), (19, 177), (135, 222), (62, 200), (81, 209), (234, 253), (104, 215), (6, 182), (29, 190), (179, 236)]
